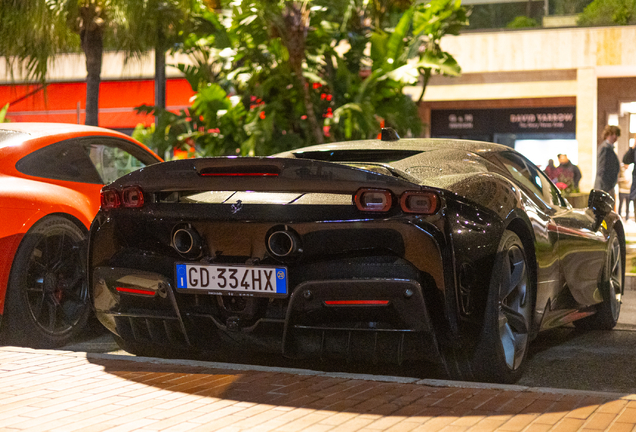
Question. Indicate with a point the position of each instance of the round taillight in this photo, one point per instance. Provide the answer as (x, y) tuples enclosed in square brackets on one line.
[(132, 197), (419, 202), (109, 199), (373, 200)]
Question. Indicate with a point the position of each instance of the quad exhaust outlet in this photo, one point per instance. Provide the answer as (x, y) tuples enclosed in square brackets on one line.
[(186, 241), (284, 243)]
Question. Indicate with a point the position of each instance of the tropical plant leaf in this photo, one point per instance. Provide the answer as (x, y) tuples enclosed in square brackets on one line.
[(407, 74), (395, 44), (379, 48), (3, 114), (443, 63)]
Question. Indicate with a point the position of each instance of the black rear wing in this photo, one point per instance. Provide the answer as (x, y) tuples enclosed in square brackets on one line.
[(259, 174)]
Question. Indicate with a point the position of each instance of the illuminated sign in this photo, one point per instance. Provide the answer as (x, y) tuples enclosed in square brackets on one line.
[(508, 120)]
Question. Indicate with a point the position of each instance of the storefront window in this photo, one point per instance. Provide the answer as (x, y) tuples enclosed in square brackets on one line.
[(541, 151)]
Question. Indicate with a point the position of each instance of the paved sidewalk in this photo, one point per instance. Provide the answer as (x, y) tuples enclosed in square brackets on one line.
[(64, 391)]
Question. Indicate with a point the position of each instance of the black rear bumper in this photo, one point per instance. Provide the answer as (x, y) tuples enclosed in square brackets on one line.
[(373, 319)]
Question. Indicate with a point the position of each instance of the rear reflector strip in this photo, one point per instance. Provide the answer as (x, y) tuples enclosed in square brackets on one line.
[(356, 302), (136, 291)]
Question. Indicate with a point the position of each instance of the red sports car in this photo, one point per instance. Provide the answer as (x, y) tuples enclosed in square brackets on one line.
[(50, 180)]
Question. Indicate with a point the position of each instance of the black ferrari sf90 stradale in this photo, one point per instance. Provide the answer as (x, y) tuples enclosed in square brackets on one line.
[(417, 250)]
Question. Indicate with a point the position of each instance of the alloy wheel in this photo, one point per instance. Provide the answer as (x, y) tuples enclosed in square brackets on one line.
[(56, 290), (514, 306), (615, 278)]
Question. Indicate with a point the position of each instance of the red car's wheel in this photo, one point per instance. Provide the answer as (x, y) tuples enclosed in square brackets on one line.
[(47, 298)]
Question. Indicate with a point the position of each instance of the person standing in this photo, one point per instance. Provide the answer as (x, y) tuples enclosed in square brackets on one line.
[(608, 166), (624, 190), (551, 171), (570, 172), (629, 158)]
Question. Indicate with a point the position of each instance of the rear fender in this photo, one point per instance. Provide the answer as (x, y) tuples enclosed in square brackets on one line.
[(20, 222), (13, 230), (8, 246)]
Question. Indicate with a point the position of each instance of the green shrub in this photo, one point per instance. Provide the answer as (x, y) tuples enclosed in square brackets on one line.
[(522, 21), (608, 12)]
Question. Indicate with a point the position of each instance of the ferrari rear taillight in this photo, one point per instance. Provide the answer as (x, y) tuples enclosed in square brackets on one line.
[(109, 199), (132, 197), (419, 202), (381, 200), (373, 200)]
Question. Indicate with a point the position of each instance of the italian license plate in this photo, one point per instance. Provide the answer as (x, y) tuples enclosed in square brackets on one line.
[(255, 281)]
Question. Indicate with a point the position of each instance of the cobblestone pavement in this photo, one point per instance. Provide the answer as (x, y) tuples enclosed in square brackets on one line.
[(66, 391)]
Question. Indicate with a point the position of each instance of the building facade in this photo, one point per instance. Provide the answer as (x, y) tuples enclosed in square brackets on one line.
[(541, 91)]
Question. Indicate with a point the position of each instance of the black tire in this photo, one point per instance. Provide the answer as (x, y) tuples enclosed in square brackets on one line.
[(611, 288), (47, 301), (500, 353)]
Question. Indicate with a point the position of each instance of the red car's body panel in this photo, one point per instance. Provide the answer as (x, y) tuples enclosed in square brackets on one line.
[(25, 199)]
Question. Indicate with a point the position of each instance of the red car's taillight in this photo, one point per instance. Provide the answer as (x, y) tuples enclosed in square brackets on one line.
[(373, 200), (109, 199), (132, 197), (419, 202)]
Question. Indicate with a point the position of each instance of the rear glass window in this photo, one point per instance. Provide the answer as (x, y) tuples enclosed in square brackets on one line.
[(381, 156), (92, 160), (531, 177), (112, 162), (60, 161)]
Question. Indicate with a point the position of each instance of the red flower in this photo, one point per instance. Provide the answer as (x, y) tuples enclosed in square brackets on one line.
[(561, 185), (262, 115)]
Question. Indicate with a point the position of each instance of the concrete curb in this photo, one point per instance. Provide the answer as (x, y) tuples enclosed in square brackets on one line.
[(352, 376)]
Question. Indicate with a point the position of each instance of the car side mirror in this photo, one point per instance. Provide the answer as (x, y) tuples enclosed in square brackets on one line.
[(601, 203)]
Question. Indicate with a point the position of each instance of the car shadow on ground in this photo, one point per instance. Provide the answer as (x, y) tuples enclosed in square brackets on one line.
[(331, 394), (562, 358)]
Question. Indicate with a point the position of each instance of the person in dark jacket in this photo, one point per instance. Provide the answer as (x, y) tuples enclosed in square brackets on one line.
[(628, 158), (551, 171), (624, 190), (568, 170), (608, 166)]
